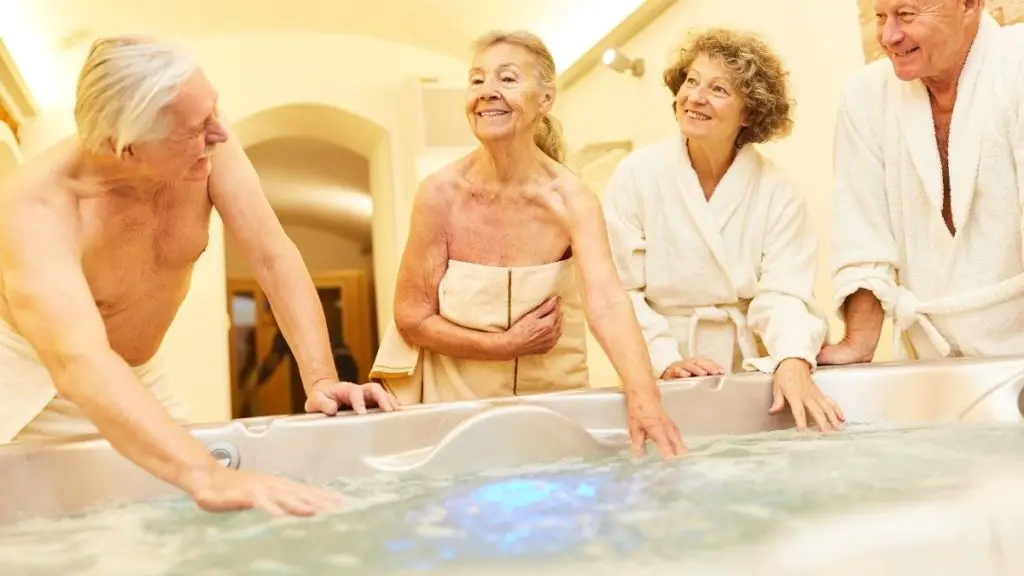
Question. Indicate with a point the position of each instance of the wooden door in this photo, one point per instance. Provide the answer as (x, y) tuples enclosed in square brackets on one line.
[(256, 344), (251, 339), (348, 306)]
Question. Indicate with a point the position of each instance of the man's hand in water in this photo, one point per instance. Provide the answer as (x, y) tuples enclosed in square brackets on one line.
[(327, 396), (793, 384), (226, 490), (648, 420)]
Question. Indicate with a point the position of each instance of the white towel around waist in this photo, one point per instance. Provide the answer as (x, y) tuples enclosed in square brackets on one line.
[(31, 408)]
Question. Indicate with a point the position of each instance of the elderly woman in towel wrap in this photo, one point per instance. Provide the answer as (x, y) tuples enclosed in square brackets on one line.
[(712, 241), (508, 256)]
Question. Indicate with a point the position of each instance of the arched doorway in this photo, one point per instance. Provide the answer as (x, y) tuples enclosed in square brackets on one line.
[(314, 163)]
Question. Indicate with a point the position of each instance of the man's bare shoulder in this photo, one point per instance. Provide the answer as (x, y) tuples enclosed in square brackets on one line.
[(42, 174), (39, 189)]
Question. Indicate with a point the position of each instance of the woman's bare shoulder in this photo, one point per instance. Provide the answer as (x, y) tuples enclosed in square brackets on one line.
[(440, 188), (576, 193)]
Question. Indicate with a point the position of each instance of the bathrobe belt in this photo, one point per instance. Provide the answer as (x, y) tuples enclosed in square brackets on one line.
[(734, 312), (907, 308)]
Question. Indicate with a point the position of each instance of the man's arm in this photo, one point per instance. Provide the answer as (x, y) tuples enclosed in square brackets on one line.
[(53, 308), (864, 315), (1017, 143), (424, 262), (275, 261), (864, 254)]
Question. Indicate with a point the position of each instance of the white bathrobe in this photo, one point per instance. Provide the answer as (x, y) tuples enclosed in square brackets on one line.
[(959, 295), (730, 278)]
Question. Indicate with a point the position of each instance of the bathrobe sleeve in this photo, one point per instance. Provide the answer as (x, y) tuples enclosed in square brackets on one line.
[(863, 248), (782, 311), (1018, 152), (623, 207), (1018, 142)]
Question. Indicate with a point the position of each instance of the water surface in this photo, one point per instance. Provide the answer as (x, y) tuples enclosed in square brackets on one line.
[(730, 494)]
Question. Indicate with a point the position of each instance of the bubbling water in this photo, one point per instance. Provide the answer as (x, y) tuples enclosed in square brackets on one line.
[(735, 501)]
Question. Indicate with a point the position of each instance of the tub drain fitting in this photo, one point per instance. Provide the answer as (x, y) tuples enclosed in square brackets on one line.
[(225, 453)]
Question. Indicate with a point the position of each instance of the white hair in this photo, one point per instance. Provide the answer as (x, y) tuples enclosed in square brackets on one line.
[(124, 85)]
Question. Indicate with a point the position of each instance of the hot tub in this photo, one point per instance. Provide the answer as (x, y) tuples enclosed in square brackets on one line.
[(61, 478)]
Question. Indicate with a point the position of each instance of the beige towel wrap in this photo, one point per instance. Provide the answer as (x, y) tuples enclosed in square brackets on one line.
[(490, 299)]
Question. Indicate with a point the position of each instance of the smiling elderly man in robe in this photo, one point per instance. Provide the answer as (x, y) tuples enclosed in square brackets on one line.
[(930, 186)]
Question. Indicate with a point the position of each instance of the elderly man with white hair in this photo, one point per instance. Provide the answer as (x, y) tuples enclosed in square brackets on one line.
[(98, 238), (929, 163)]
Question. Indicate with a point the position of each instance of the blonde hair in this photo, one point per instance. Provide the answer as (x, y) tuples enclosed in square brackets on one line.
[(548, 135), (125, 83), (759, 77)]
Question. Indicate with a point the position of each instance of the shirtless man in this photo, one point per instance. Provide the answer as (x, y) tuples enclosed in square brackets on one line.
[(98, 238)]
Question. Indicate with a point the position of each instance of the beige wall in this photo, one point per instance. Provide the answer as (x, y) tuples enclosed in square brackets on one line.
[(197, 343), (323, 250), (317, 180), (10, 154), (819, 42)]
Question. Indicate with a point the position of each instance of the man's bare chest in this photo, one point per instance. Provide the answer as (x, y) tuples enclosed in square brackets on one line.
[(169, 232), (942, 121)]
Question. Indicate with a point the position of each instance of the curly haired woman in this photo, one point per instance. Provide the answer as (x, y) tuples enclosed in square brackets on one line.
[(712, 241)]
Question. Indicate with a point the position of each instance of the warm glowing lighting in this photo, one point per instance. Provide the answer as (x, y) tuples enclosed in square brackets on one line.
[(570, 28), (620, 62), (314, 200), (35, 58)]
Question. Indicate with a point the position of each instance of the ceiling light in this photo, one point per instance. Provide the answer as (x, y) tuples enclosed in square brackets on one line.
[(620, 62)]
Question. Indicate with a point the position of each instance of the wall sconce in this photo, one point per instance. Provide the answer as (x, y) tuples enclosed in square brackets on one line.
[(620, 62)]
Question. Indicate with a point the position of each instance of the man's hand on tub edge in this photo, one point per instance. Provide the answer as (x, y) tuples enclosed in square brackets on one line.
[(328, 397)]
